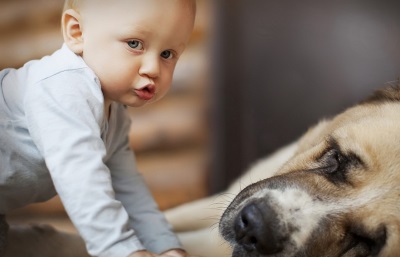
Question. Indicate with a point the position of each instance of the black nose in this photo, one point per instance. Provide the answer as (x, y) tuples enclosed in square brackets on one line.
[(257, 229)]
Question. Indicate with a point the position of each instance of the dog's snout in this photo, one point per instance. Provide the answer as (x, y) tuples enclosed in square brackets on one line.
[(257, 229)]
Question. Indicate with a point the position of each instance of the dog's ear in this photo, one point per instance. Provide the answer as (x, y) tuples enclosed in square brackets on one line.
[(389, 93)]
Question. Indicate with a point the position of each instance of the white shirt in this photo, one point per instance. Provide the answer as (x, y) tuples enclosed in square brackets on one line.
[(54, 139)]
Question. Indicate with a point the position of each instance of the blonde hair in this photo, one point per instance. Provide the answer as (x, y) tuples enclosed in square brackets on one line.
[(73, 4)]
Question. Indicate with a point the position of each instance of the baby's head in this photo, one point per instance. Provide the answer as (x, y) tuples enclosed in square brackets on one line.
[(131, 45), (74, 4), (71, 4)]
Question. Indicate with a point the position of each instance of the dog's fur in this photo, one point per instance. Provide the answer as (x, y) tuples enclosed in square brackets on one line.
[(335, 192), (332, 193)]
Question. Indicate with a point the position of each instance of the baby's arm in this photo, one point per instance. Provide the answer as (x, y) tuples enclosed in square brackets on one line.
[(171, 253), (130, 188), (176, 253)]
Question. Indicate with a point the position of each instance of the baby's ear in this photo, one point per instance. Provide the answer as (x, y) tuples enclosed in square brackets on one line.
[(72, 32)]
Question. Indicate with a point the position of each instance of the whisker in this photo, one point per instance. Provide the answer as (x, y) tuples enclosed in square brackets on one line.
[(211, 218)]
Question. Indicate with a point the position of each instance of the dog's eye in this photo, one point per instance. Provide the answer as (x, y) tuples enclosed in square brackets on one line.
[(333, 165), (332, 161)]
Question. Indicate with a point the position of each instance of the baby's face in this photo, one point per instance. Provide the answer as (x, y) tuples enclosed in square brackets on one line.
[(134, 45)]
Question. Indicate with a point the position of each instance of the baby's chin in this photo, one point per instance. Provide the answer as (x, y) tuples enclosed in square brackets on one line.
[(139, 102)]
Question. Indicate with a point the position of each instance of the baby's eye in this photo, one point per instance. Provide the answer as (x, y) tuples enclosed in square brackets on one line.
[(167, 54), (135, 44)]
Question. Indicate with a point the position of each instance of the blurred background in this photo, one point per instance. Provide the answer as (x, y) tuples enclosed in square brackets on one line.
[(256, 75)]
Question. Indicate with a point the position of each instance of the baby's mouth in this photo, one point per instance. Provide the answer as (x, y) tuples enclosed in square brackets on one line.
[(146, 93)]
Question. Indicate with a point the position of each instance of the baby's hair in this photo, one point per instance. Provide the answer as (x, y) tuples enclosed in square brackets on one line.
[(73, 4)]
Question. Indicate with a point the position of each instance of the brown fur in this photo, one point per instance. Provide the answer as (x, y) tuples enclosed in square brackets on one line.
[(390, 93), (344, 172)]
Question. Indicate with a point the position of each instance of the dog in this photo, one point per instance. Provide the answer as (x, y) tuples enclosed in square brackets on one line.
[(332, 193)]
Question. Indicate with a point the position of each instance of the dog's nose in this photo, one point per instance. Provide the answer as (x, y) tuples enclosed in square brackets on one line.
[(257, 229)]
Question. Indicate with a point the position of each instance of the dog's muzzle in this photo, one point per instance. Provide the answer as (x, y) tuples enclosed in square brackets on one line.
[(263, 219), (257, 229)]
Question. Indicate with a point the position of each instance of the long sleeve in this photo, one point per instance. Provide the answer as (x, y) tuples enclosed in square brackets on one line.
[(64, 121), (145, 218)]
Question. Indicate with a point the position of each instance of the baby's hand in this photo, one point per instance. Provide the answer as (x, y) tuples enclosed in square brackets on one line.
[(142, 254), (176, 253)]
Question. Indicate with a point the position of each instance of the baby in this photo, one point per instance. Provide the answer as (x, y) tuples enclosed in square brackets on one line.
[(64, 125)]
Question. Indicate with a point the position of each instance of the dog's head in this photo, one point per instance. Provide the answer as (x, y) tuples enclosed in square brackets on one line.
[(338, 196)]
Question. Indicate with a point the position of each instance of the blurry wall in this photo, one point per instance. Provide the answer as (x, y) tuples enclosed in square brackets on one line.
[(28, 30), (280, 66)]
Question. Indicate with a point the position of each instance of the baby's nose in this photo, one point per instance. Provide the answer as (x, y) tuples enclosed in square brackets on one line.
[(150, 67)]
